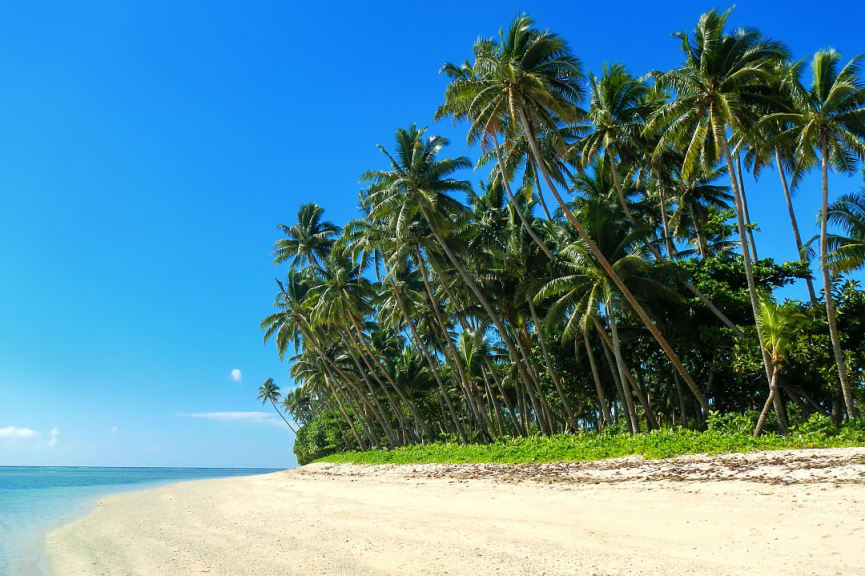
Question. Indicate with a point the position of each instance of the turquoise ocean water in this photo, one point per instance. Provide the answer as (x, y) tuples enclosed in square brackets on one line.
[(33, 499)]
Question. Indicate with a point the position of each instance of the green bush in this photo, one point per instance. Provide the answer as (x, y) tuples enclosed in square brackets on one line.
[(318, 438)]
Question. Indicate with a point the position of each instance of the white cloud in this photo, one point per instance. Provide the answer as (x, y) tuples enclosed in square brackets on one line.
[(114, 430), (243, 417), (236, 375), (55, 434), (13, 432)]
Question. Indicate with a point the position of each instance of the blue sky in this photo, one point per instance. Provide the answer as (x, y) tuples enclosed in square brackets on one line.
[(147, 153)]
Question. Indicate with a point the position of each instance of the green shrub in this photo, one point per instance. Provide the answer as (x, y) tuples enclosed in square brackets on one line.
[(318, 438)]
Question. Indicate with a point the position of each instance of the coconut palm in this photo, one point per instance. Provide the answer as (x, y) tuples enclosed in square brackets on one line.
[(777, 326), (847, 249), (721, 85), (530, 81), (829, 124), (269, 392), (308, 241)]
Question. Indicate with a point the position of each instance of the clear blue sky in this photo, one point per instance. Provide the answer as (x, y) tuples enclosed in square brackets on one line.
[(148, 152)]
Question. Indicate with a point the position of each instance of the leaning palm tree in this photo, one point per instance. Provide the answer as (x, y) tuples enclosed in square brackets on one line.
[(530, 82), (722, 84), (829, 123), (308, 241), (269, 392), (777, 324)]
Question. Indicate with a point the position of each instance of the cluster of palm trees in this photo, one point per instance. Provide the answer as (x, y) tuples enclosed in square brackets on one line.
[(605, 271)]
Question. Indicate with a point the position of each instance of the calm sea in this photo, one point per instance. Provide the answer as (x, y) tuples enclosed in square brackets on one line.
[(33, 499)]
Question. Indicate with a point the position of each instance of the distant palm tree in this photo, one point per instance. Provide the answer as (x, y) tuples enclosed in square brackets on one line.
[(308, 241), (269, 392), (829, 123), (847, 250)]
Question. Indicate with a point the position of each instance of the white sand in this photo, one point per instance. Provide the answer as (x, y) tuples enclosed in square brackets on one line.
[(773, 513)]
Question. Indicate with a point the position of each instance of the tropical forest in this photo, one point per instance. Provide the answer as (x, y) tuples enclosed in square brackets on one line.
[(587, 284)]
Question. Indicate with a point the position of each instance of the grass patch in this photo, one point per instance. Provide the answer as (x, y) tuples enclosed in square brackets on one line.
[(593, 446)]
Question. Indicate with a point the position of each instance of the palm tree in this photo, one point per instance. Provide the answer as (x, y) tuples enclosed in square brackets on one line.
[(847, 251), (722, 84), (777, 326), (829, 123), (269, 392), (531, 79), (308, 241), (616, 111)]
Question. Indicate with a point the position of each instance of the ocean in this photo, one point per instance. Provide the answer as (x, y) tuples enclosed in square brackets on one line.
[(34, 499)]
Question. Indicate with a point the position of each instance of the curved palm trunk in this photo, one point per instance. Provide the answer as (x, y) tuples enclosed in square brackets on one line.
[(432, 365), (495, 402), (464, 379), (668, 242), (827, 288), (524, 344), (394, 405), (769, 401), (380, 412), (617, 280), (349, 382), (419, 423), (539, 330), (513, 200), (793, 221), (342, 410), (476, 291), (514, 419), (749, 272), (599, 389)]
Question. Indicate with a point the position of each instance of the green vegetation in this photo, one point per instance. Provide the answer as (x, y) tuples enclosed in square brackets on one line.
[(818, 432), (601, 280)]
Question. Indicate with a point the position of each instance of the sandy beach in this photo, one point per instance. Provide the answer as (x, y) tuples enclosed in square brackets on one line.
[(794, 512)]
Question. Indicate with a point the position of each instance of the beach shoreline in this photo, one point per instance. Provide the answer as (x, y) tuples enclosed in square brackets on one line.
[(790, 512)]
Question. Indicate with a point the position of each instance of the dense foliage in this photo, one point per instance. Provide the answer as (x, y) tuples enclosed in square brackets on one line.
[(602, 276)]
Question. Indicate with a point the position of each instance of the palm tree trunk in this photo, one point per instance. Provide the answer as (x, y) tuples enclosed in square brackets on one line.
[(827, 287), (793, 221), (513, 200), (599, 389), (514, 417), (524, 344), (683, 410), (432, 365), (611, 154), (539, 330), (541, 193), (623, 370), (334, 394), (617, 280), (419, 423), (394, 405), (620, 388), (769, 401), (748, 226), (668, 242), (290, 427), (467, 386), (467, 279), (746, 256)]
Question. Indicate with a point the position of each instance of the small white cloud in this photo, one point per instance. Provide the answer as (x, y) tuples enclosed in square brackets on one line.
[(243, 417), (55, 434), (114, 430), (13, 432), (236, 375)]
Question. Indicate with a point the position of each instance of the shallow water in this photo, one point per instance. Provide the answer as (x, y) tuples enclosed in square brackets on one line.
[(32, 499)]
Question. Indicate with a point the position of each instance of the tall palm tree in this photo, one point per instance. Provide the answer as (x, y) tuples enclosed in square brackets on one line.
[(721, 85), (530, 81), (829, 123), (269, 392), (308, 241)]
